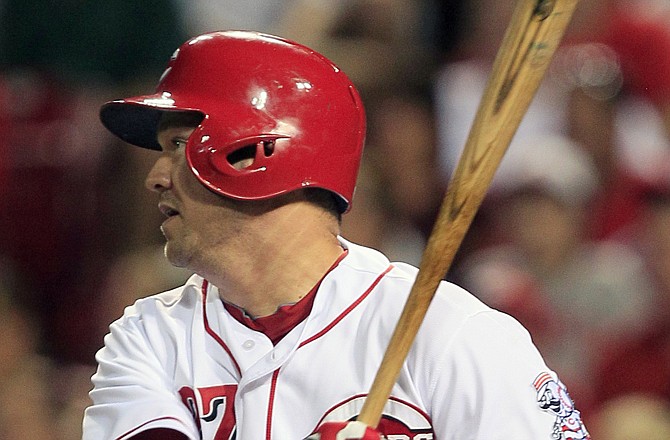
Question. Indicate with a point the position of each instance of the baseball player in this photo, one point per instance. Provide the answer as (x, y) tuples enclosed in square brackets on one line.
[(280, 331)]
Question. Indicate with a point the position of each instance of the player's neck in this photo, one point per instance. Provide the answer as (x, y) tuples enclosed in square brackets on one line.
[(281, 263)]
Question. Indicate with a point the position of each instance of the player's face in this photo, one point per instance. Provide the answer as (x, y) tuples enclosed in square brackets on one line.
[(199, 222)]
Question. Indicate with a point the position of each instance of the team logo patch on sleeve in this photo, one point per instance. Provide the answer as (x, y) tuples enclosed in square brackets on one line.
[(553, 397)]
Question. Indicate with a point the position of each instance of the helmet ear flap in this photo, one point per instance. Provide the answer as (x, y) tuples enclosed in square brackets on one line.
[(214, 164), (244, 155)]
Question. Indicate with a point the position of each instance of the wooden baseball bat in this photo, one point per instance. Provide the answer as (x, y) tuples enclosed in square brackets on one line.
[(532, 36)]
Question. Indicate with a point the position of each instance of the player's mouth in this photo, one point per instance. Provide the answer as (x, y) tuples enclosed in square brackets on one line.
[(167, 210)]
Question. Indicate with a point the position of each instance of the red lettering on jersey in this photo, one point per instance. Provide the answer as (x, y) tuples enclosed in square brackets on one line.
[(400, 420), (216, 403), (188, 398)]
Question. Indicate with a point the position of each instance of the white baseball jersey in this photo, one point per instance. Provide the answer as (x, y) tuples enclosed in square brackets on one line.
[(179, 360)]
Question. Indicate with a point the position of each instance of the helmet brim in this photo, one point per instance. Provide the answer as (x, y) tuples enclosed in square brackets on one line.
[(135, 120)]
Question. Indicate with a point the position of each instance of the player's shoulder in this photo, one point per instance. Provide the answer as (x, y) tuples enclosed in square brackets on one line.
[(397, 280), (449, 298), (174, 302)]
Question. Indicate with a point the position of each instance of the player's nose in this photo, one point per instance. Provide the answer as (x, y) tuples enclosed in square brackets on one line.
[(159, 177)]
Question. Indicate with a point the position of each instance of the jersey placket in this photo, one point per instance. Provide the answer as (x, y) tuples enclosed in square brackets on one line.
[(252, 356)]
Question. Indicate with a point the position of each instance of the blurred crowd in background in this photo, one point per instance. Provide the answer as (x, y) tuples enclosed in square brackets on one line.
[(573, 238)]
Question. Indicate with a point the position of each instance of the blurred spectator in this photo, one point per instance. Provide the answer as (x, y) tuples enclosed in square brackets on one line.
[(632, 417), (5, 125), (70, 384), (48, 160), (402, 137), (24, 374), (639, 31), (626, 133), (381, 44), (58, 63), (573, 293), (653, 241), (202, 16), (604, 89), (641, 364), (307, 21), (372, 221), (460, 81), (616, 202), (336, 24), (137, 273)]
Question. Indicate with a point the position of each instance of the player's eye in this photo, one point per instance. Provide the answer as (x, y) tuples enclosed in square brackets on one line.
[(179, 142)]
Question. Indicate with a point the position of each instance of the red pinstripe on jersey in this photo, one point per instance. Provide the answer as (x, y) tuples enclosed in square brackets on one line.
[(211, 332), (348, 310)]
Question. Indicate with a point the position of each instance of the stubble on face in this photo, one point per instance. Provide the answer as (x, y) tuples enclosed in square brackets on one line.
[(211, 230), (199, 224)]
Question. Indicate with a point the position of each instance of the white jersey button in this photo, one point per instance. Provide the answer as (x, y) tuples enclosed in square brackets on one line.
[(248, 344)]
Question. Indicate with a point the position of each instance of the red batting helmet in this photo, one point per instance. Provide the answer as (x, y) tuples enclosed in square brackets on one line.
[(295, 111)]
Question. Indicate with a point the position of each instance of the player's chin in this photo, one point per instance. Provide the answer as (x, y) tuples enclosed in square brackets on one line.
[(175, 254), (173, 235)]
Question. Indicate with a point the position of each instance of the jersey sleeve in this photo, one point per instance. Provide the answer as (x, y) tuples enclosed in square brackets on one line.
[(493, 384), (132, 391)]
